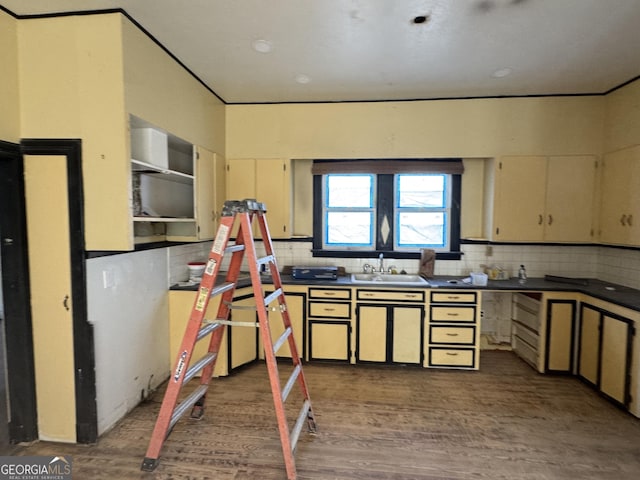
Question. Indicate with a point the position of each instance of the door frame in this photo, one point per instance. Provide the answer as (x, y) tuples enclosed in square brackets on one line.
[(83, 341), (23, 422)]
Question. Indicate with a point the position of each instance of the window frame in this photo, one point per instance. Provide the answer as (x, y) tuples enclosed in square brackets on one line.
[(385, 201)]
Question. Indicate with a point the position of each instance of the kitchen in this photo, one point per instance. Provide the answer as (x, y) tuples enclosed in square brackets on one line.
[(476, 130)]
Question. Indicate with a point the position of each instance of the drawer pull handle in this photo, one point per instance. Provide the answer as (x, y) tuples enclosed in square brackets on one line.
[(451, 314), (411, 295), (452, 334), (329, 309), (329, 294), (451, 354), (451, 297)]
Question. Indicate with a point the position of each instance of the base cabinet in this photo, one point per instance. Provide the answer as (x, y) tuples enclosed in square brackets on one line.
[(454, 330), (390, 332), (329, 324), (605, 352)]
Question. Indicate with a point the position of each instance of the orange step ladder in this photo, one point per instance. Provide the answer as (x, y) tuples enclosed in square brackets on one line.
[(199, 328)]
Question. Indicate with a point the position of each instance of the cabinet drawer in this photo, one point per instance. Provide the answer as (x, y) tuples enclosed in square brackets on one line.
[(454, 297), (452, 335), (452, 357), (330, 293), (390, 295), (453, 314), (525, 351), (330, 310)]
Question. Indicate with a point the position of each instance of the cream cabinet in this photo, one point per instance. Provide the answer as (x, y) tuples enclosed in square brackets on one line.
[(548, 199), (620, 191), (267, 180), (296, 299), (453, 330), (329, 324), (390, 326), (606, 347), (177, 188)]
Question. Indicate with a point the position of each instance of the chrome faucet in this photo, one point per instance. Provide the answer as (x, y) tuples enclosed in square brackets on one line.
[(381, 263)]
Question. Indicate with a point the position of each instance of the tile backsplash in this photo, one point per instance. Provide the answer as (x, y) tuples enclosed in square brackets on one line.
[(614, 265)]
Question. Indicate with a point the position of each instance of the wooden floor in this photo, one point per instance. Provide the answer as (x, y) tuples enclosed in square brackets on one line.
[(504, 422)]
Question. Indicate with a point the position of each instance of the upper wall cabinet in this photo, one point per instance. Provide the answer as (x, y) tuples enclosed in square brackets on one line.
[(620, 206), (268, 180), (174, 186), (544, 199)]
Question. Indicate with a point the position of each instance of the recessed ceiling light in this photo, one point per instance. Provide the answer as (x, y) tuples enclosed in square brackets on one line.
[(503, 72), (421, 19), (261, 46), (302, 78)]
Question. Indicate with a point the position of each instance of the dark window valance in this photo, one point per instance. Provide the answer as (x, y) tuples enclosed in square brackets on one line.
[(452, 166)]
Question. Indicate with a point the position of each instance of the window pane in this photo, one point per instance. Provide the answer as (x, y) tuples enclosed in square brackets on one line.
[(349, 228), (421, 190), (349, 191), (421, 229)]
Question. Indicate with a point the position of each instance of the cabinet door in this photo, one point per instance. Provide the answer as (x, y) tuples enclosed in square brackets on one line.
[(295, 307), (620, 197), (329, 340), (407, 334), (520, 199), (615, 353), (243, 344), (240, 181), (205, 199), (273, 188), (569, 198), (588, 360), (371, 334), (560, 326)]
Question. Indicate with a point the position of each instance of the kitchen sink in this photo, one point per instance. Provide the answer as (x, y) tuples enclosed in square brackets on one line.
[(379, 278)]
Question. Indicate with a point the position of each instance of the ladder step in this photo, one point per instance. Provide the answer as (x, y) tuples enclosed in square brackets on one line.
[(297, 428), (282, 339), (235, 323), (234, 248), (199, 365), (272, 296), (209, 327), (265, 260), (187, 403), (291, 382), (223, 287)]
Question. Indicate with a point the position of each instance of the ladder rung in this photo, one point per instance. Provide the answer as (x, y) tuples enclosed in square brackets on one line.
[(220, 289), (272, 296), (282, 339), (233, 323), (267, 259), (199, 365), (295, 432), (209, 327), (187, 403), (291, 382), (234, 248)]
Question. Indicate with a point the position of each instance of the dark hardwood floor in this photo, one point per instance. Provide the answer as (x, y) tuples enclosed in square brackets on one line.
[(503, 422)]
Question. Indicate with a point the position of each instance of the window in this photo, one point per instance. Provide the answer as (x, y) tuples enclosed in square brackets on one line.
[(396, 213)]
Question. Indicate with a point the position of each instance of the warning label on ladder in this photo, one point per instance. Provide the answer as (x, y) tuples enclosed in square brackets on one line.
[(221, 239)]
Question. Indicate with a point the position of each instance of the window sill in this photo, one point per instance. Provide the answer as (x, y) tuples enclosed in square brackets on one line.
[(387, 254)]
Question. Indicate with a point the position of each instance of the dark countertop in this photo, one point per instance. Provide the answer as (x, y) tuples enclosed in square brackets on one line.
[(610, 292)]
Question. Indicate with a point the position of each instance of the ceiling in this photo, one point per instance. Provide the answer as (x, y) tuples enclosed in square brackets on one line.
[(257, 51)]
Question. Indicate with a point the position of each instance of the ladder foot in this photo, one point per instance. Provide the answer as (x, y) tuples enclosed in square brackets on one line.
[(149, 464), (197, 412)]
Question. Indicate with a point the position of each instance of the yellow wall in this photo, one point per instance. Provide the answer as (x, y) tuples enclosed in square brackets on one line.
[(9, 100), (161, 92), (622, 118), (71, 87), (465, 128)]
